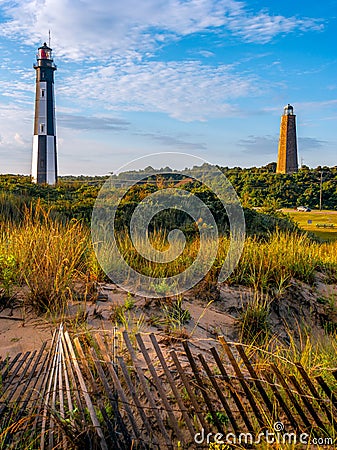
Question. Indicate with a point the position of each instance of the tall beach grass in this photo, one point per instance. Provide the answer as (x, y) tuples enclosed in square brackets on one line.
[(49, 254), (265, 264)]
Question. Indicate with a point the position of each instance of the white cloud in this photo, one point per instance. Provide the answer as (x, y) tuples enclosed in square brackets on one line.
[(263, 27), (206, 53), (309, 143), (87, 29), (19, 139), (19, 123), (124, 38), (16, 139), (80, 122), (17, 135), (261, 145), (82, 28), (175, 141), (268, 145), (184, 90), (18, 90)]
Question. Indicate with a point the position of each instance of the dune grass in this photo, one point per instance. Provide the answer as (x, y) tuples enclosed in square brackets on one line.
[(270, 264), (48, 257), (266, 265)]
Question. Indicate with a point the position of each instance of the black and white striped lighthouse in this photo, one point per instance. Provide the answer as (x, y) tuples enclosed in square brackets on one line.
[(44, 161)]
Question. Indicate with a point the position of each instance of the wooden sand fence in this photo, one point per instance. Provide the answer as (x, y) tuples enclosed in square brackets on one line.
[(87, 392)]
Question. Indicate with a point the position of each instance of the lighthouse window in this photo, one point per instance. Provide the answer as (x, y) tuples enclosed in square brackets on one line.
[(42, 75), (42, 92), (42, 127)]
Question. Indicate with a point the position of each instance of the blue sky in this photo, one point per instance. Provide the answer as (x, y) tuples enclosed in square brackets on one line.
[(205, 77)]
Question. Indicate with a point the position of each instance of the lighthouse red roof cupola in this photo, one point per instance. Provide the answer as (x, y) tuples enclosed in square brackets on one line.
[(44, 52), (44, 57)]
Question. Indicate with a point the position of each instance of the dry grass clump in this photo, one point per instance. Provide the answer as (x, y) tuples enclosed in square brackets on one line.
[(273, 262), (49, 256), (254, 321), (267, 264), (317, 353)]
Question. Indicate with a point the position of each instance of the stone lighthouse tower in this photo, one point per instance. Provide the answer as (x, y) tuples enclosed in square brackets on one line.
[(287, 148), (44, 161)]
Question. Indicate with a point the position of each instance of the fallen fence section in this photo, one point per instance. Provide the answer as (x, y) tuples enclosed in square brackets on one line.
[(83, 393)]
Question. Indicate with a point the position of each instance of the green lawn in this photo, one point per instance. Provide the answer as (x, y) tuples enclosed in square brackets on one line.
[(317, 218)]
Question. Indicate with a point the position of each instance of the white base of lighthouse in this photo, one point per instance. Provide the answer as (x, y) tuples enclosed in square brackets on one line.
[(44, 168)]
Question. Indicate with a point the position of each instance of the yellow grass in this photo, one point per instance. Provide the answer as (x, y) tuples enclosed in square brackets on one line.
[(49, 256)]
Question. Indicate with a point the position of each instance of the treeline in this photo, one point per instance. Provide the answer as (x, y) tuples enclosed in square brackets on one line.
[(74, 197), (70, 200), (258, 187)]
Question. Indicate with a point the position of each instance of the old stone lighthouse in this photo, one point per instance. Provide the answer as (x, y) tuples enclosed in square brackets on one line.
[(287, 161)]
